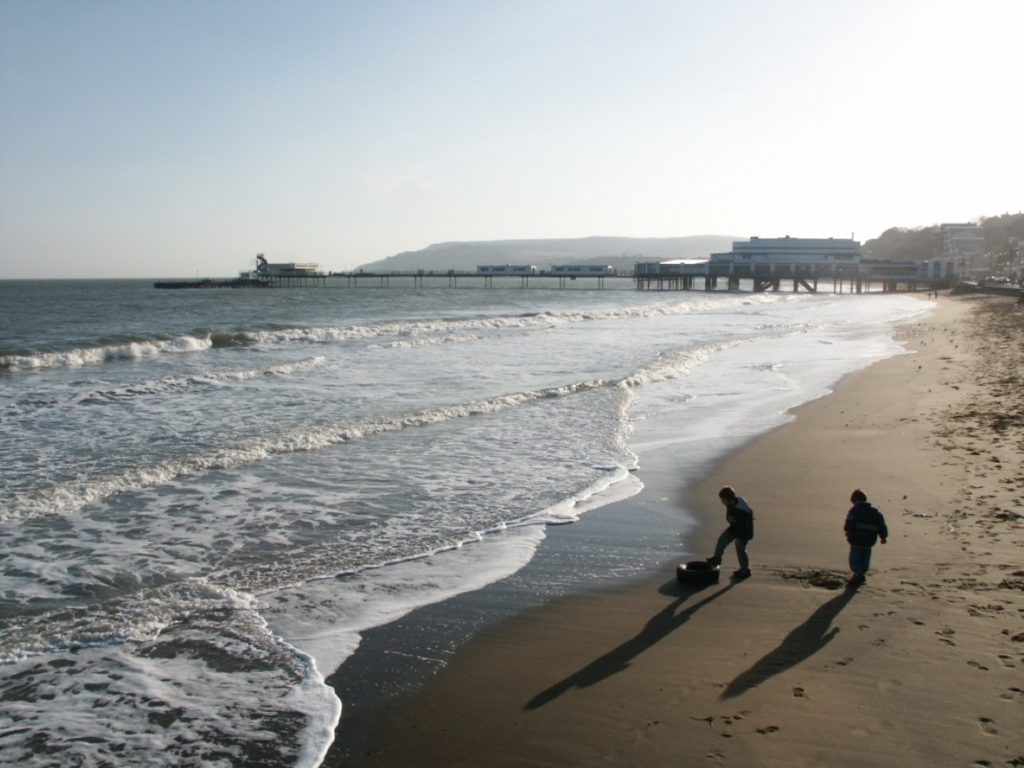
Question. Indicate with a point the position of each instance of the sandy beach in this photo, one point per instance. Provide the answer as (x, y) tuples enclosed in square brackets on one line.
[(921, 666)]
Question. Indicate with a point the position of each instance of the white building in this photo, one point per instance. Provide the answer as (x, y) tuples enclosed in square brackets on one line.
[(963, 244), (767, 260), (803, 251), (581, 270), (292, 269), (507, 269)]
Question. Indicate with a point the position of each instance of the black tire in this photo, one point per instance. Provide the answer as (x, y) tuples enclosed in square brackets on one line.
[(697, 572)]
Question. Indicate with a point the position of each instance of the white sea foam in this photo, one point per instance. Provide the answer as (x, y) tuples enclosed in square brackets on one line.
[(326, 617), (212, 680), (75, 494), (157, 387)]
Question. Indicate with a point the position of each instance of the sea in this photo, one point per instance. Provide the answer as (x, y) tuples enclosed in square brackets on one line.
[(207, 496)]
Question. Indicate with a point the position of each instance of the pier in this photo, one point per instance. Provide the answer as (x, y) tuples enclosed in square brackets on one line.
[(781, 279), (450, 278), (206, 282), (758, 265)]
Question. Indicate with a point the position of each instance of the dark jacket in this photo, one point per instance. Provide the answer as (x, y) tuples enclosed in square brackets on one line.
[(741, 519), (864, 524)]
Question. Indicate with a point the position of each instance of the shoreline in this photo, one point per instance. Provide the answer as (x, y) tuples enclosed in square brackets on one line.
[(777, 669), (396, 659)]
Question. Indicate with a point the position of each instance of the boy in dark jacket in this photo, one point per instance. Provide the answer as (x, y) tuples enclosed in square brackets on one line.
[(740, 518), (864, 526)]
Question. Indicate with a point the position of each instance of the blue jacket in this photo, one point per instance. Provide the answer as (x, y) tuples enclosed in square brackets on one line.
[(864, 524)]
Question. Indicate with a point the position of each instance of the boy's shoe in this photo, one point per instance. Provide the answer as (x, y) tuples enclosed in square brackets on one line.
[(714, 560), (856, 580), (742, 573)]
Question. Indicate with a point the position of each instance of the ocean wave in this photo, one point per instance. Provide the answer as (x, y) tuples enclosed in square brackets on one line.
[(429, 342), (450, 329), (676, 364), (101, 353), (162, 386), (208, 378), (394, 333), (71, 496)]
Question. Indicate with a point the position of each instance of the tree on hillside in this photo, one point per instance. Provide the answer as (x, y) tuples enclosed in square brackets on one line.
[(900, 244), (1002, 235)]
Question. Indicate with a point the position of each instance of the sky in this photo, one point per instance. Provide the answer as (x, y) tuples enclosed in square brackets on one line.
[(167, 138)]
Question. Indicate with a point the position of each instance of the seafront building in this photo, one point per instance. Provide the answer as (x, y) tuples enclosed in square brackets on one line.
[(804, 261), (963, 244), (808, 251)]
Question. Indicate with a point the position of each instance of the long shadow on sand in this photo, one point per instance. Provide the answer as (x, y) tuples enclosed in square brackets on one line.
[(616, 660), (799, 645)]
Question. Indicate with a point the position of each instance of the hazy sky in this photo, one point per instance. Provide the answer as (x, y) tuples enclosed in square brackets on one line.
[(158, 138)]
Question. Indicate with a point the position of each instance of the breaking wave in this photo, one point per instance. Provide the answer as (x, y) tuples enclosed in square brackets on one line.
[(71, 496), (102, 353), (395, 333), (162, 386)]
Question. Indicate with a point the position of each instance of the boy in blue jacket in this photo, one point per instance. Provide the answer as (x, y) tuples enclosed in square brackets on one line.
[(864, 526)]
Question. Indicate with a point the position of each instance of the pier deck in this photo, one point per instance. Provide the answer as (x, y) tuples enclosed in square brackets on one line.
[(760, 281)]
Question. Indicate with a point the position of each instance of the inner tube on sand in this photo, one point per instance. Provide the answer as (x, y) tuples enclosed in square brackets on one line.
[(697, 572)]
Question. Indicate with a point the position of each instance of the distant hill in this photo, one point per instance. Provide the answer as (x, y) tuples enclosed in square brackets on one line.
[(619, 252)]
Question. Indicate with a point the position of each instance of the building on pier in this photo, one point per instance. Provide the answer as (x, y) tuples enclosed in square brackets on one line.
[(507, 269), (793, 250), (284, 273), (581, 270), (767, 262)]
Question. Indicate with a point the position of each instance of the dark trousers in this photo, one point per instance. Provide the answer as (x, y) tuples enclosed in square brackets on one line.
[(727, 536), (860, 559)]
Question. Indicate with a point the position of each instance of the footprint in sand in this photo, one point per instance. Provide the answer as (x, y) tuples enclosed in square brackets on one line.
[(730, 719), (768, 729), (976, 665), (799, 693), (840, 663), (988, 725)]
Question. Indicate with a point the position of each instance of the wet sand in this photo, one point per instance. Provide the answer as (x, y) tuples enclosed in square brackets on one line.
[(921, 666)]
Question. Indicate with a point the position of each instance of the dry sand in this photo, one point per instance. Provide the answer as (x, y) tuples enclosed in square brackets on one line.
[(922, 666)]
